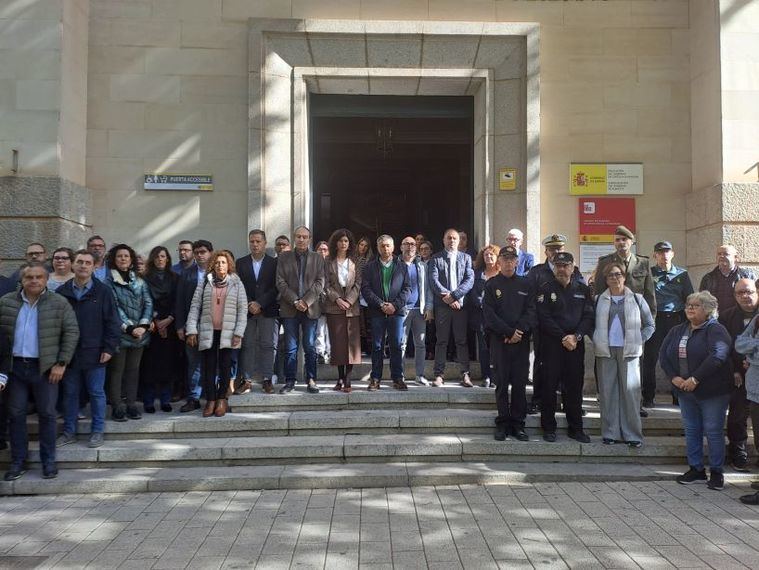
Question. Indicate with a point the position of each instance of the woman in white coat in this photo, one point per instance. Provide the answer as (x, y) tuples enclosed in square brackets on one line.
[(216, 324), (623, 325)]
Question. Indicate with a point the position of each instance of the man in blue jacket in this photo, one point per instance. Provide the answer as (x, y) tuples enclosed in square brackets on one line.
[(99, 336), (385, 287)]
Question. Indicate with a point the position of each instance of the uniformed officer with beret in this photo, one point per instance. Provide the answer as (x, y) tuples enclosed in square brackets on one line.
[(672, 285), (508, 310), (565, 317)]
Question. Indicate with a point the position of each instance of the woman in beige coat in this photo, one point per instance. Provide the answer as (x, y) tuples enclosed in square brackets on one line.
[(341, 292), (216, 324)]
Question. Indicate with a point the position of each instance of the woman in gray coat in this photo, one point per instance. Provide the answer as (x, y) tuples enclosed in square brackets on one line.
[(216, 324)]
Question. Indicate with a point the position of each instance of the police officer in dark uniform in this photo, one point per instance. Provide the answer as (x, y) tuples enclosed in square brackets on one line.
[(539, 274), (508, 310), (565, 317)]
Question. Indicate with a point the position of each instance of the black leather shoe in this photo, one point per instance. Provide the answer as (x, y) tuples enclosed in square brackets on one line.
[(740, 463), (643, 413), (752, 499), (500, 434), (190, 405), (149, 409), (133, 413), (14, 472), (166, 408), (520, 434), (288, 387), (400, 385), (49, 472), (550, 437), (580, 436), (312, 387)]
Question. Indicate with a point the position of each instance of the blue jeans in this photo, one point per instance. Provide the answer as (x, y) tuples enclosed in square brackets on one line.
[(193, 372), (25, 377), (704, 418), (94, 380), (297, 327), (393, 327)]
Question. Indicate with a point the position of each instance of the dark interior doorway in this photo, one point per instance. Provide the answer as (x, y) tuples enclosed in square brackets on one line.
[(392, 165)]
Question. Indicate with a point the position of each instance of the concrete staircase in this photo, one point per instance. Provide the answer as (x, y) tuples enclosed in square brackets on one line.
[(363, 439)]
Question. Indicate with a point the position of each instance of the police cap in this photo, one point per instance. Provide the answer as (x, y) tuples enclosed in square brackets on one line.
[(508, 251), (662, 246), (563, 258)]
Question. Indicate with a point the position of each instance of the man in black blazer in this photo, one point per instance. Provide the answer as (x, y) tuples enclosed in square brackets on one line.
[(385, 287), (188, 282), (258, 273)]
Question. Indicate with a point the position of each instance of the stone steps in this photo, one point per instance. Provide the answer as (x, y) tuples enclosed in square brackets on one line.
[(349, 448), (329, 475)]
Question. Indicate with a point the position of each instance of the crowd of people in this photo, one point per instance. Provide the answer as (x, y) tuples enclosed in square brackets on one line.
[(113, 328)]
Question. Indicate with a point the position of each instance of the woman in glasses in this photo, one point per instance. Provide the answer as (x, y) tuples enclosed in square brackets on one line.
[(62, 259), (623, 324), (695, 356)]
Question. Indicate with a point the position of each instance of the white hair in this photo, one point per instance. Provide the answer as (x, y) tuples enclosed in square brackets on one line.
[(516, 232)]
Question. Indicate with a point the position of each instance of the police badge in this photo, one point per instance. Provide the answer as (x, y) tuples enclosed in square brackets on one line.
[(498, 293), (553, 297)]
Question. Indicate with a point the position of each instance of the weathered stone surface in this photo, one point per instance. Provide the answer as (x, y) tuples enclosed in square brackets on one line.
[(283, 447), (474, 445), (401, 445), (343, 476), (348, 419), (216, 478), (446, 418), (235, 422), (158, 450)]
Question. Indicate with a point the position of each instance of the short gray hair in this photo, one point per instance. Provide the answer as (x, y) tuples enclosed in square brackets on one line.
[(385, 237), (33, 265), (516, 232), (708, 302)]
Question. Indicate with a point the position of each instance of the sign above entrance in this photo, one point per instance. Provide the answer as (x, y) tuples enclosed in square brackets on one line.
[(599, 217), (507, 179), (605, 179), (197, 182)]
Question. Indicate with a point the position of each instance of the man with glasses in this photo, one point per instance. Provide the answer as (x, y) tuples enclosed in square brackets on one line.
[(419, 306), (96, 246), (35, 253), (721, 280), (186, 259), (735, 320), (526, 260)]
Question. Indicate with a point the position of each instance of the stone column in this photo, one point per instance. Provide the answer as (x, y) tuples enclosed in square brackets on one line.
[(43, 75)]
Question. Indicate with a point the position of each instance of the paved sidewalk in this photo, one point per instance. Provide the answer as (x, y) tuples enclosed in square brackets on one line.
[(543, 525)]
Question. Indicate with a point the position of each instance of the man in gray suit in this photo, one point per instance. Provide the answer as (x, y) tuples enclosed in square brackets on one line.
[(300, 281), (451, 278)]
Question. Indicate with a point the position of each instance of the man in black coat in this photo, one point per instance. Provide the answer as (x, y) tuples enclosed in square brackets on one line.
[(258, 273), (385, 287)]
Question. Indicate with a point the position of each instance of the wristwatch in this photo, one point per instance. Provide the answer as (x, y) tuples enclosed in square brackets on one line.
[(578, 337), (60, 363)]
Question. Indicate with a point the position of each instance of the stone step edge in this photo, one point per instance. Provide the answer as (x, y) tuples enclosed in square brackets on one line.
[(330, 476)]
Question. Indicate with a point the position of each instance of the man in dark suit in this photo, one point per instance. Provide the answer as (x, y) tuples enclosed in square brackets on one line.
[(258, 273), (451, 278), (300, 281), (525, 261), (386, 288), (188, 282)]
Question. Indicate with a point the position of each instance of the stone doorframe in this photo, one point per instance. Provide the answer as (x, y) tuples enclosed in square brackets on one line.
[(496, 63)]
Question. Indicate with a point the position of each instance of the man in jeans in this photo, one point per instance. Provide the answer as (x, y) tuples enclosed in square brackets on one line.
[(418, 304), (44, 333), (300, 281), (100, 332), (186, 286)]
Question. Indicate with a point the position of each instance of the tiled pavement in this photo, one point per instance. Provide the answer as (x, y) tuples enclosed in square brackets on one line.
[(542, 525)]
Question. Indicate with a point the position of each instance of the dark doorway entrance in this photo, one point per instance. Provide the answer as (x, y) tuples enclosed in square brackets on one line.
[(391, 164)]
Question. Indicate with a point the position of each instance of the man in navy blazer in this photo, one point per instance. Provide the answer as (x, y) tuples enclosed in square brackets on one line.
[(525, 261), (386, 288), (258, 273), (451, 278)]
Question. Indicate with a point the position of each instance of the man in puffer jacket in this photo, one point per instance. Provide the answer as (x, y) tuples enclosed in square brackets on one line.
[(44, 333)]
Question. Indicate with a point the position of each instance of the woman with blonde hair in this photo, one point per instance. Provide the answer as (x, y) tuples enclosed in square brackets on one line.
[(216, 324)]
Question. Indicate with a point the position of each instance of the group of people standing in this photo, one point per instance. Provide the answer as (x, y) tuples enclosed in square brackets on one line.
[(209, 319)]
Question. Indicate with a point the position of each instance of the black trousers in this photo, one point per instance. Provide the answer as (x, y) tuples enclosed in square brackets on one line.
[(738, 413), (510, 364), (537, 370), (664, 322), (565, 368), (212, 359)]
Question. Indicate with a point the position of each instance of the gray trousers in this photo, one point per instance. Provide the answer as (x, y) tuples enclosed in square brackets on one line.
[(447, 320), (259, 347), (415, 322), (619, 396)]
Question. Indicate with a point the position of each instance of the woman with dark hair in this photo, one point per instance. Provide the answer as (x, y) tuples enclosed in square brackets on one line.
[(485, 267), (363, 255), (342, 290), (160, 363), (216, 324), (63, 257), (135, 309), (695, 356)]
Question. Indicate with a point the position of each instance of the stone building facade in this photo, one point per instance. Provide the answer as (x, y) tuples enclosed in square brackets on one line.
[(96, 94)]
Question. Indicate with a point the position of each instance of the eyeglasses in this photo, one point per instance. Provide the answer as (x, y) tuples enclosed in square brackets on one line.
[(61, 258), (746, 292), (693, 306), (408, 243), (35, 253), (615, 275)]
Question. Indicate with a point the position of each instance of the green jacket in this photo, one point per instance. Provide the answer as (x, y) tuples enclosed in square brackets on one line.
[(638, 277), (57, 331)]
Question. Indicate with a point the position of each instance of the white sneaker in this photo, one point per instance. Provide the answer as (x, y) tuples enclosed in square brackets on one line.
[(273, 378), (422, 380)]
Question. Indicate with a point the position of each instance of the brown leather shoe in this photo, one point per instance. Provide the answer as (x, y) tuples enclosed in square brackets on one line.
[(266, 386), (339, 386), (245, 387), (221, 408), (208, 410), (347, 387)]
